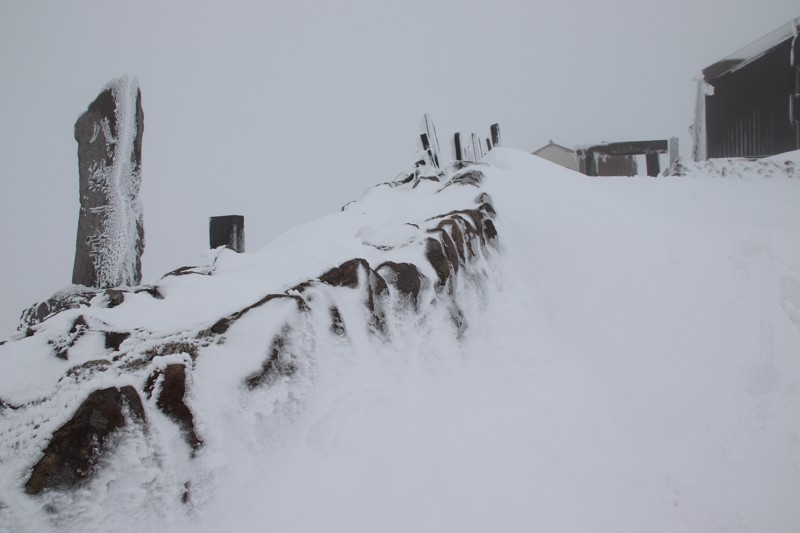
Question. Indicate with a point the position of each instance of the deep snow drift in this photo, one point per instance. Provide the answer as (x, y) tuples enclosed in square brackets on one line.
[(625, 356)]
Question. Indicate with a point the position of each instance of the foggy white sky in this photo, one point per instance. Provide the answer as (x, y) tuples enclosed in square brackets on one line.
[(283, 112)]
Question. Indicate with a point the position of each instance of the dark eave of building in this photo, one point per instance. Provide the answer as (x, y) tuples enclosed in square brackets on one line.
[(752, 51)]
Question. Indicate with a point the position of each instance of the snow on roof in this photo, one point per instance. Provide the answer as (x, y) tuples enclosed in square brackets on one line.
[(552, 144), (752, 51)]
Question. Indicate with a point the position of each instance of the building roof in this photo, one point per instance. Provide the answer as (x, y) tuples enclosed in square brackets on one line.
[(752, 51), (551, 143)]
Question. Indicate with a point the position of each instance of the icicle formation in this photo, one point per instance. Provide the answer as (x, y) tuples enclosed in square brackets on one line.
[(110, 238)]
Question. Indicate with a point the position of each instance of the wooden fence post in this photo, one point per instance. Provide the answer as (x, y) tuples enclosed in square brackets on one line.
[(653, 164), (457, 146), (477, 147), (495, 130), (673, 154)]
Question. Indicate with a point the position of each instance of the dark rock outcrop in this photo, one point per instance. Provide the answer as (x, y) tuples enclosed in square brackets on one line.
[(75, 448), (353, 272), (67, 298), (221, 326), (171, 402), (455, 244), (75, 296), (114, 339), (63, 343), (434, 253), (110, 238), (279, 362), (405, 277), (337, 322), (346, 274)]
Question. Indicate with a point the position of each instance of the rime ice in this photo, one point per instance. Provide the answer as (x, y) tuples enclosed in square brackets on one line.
[(110, 237)]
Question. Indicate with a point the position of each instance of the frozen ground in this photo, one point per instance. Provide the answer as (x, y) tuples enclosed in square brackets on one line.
[(631, 363)]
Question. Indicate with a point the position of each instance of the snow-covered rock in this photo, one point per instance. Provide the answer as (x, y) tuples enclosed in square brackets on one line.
[(506, 346)]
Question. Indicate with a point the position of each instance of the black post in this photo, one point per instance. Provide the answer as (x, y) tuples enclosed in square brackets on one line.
[(227, 231), (495, 129), (426, 145), (477, 149), (589, 163), (433, 140), (653, 164), (457, 144)]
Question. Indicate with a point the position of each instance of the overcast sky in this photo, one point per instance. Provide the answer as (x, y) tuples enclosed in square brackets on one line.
[(284, 111)]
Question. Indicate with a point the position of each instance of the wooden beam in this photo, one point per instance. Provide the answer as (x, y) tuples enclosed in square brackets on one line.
[(631, 147)]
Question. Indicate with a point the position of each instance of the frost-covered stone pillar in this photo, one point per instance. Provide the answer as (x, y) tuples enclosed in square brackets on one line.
[(110, 230)]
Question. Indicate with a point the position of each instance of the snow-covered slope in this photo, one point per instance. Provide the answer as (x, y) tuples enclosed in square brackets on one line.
[(623, 356)]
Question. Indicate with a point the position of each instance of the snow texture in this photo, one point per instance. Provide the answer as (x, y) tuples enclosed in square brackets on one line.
[(621, 357)]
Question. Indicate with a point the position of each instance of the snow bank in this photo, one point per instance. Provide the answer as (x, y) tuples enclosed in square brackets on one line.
[(624, 358)]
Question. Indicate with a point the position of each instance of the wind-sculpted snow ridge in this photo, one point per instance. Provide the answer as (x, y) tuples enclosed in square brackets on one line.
[(783, 165), (603, 354), (113, 403)]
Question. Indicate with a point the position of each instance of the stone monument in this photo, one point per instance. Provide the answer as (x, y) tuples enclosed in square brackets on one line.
[(110, 238)]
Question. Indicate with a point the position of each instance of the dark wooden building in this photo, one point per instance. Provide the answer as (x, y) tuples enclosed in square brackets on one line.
[(748, 104)]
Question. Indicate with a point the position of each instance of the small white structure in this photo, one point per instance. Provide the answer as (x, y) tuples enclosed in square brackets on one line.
[(559, 155)]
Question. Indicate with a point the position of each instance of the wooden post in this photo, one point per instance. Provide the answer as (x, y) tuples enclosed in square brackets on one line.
[(426, 145), (495, 130), (433, 139), (457, 146), (589, 163), (477, 147), (673, 154), (227, 231), (653, 164)]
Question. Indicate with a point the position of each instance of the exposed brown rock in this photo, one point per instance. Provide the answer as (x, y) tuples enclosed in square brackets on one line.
[(405, 277), (114, 339), (489, 230), (115, 297), (5, 405), (470, 177), (483, 198), (172, 348), (69, 298), (88, 368), (73, 452), (450, 250), (435, 255), (279, 363), (152, 291), (346, 274), (62, 344), (469, 233), (337, 323), (221, 326), (487, 208), (455, 233), (171, 402)]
